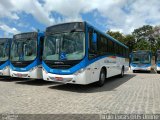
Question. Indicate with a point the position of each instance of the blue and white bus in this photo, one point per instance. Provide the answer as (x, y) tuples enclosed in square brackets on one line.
[(4, 56), (26, 53), (78, 53), (157, 58), (141, 60)]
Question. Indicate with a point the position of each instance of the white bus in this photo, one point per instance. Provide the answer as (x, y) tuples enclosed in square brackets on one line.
[(4, 56), (78, 53), (157, 61), (26, 53)]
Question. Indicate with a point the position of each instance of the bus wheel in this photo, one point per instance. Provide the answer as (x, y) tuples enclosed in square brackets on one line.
[(102, 78), (122, 72)]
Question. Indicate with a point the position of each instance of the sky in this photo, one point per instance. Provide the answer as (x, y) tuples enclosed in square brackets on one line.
[(18, 16)]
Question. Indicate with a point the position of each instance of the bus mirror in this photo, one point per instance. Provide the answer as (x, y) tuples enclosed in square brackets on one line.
[(94, 37)]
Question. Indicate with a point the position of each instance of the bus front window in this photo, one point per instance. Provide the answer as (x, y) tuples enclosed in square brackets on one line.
[(64, 46), (4, 50), (158, 58), (141, 58), (145, 58), (136, 58), (23, 50)]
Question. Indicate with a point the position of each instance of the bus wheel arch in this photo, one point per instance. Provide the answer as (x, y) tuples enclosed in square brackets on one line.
[(102, 76)]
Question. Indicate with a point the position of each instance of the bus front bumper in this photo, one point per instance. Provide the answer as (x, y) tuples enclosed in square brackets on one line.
[(158, 68), (34, 73), (141, 68), (72, 79)]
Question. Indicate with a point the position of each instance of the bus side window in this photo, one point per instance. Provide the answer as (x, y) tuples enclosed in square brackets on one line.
[(92, 44)]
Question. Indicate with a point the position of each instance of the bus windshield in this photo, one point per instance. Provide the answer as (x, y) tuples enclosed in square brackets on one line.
[(141, 58), (64, 46), (158, 58), (23, 49), (4, 50)]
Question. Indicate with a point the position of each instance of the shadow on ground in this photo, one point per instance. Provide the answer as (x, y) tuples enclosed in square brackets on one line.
[(35, 82), (10, 79), (110, 85)]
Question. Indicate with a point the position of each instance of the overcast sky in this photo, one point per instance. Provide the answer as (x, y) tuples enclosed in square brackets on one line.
[(118, 15)]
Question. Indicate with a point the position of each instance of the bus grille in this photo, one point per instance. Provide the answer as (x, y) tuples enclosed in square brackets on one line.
[(61, 66)]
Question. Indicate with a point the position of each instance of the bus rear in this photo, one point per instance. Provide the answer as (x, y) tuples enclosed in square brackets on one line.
[(4, 56), (141, 61), (26, 52), (157, 58)]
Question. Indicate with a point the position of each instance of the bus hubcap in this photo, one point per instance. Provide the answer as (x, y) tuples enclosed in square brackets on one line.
[(102, 76)]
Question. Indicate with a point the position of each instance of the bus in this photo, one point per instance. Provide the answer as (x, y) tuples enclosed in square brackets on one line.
[(26, 55), (141, 61), (157, 58), (78, 53), (4, 56)]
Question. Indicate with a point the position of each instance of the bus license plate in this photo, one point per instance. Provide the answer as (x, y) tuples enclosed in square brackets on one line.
[(19, 75)]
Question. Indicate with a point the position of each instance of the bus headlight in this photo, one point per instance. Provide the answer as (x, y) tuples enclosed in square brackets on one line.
[(44, 71), (158, 68), (80, 71), (148, 68), (32, 69), (6, 67)]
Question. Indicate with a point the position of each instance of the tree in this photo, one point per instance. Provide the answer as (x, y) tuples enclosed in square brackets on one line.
[(144, 38), (142, 45), (117, 35), (156, 35), (142, 33), (129, 40)]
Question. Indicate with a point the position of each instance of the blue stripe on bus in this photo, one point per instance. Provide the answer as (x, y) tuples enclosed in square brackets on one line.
[(35, 63), (158, 64), (84, 63), (4, 65), (142, 65)]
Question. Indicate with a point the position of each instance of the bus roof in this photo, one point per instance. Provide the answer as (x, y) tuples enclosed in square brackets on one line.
[(88, 24), (26, 34), (3, 39)]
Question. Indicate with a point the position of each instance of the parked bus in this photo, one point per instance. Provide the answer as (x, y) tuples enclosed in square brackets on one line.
[(4, 56), (78, 53), (26, 52), (157, 58), (141, 60)]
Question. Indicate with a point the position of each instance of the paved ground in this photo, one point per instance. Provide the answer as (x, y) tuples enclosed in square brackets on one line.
[(135, 93)]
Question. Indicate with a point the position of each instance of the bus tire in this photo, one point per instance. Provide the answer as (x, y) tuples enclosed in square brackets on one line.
[(122, 72), (102, 78)]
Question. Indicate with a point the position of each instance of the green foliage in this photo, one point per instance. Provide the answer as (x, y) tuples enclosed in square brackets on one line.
[(117, 35), (144, 38)]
